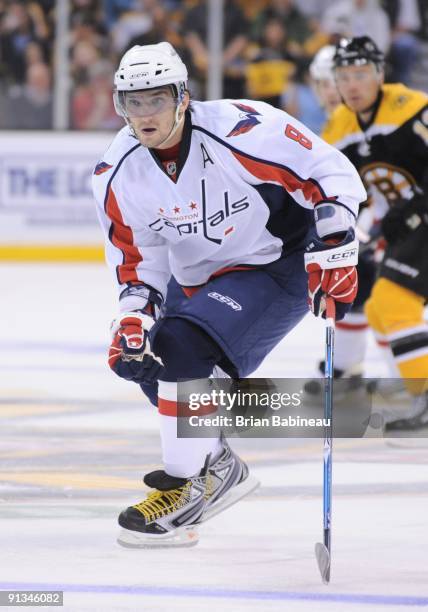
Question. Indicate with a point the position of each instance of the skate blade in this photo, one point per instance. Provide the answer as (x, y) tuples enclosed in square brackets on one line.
[(249, 485), (409, 443), (323, 559), (183, 537)]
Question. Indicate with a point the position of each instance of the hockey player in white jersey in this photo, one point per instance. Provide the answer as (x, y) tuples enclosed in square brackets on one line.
[(232, 200), (322, 77)]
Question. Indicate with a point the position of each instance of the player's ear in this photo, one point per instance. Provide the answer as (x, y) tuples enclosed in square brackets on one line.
[(185, 103), (380, 76)]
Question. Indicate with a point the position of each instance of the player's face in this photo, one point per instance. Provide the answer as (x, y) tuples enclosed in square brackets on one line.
[(358, 85), (328, 95), (152, 114)]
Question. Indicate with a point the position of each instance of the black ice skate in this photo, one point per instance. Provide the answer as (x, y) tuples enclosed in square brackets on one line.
[(414, 418), (353, 376), (169, 516)]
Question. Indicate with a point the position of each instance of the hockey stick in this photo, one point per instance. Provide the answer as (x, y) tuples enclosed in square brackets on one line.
[(323, 551)]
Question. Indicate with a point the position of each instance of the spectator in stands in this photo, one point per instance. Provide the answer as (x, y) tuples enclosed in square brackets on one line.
[(423, 14), (92, 103), (84, 55), (35, 54), (90, 32), (349, 18), (314, 9), (235, 30), (30, 106), (88, 10), (47, 7), (303, 38), (21, 24), (405, 47), (164, 27), (113, 9), (271, 65), (138, 20)]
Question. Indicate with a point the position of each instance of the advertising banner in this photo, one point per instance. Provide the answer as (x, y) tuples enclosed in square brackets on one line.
[(46, 204)]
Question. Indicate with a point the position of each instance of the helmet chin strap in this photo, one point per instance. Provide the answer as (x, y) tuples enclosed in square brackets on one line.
[(177, 122)]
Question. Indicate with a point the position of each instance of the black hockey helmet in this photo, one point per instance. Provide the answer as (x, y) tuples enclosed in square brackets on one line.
[(357, 51)]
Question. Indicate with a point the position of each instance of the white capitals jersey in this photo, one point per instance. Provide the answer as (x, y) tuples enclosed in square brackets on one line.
[(248, 177)]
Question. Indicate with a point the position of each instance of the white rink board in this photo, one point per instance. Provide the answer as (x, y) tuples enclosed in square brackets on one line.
[(45, 187), (76, 440)]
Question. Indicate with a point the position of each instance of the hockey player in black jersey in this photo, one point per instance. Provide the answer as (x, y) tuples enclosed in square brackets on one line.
[(353, 329), (383, 130)]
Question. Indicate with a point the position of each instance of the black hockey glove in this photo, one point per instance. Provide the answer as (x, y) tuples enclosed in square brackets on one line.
[(404, 217)]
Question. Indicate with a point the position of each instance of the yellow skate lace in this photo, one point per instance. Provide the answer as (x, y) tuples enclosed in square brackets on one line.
[(160, 503), (209, 486)]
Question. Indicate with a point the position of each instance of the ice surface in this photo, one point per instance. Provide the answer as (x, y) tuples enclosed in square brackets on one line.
[(75, 441)]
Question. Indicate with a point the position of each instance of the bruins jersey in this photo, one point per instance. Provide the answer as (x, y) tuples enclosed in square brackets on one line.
[(391, 156)]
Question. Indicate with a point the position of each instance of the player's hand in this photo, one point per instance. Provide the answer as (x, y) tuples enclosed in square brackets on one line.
[(332, 272), (404, 217), (339, 283), (130, 354)]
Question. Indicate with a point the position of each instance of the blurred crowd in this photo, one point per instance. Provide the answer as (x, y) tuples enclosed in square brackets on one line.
[(268, 46)]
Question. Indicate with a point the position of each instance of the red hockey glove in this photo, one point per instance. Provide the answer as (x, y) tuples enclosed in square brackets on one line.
[(332, 272), (130, 354)]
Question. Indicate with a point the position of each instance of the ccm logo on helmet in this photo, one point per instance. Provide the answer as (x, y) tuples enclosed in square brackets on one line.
[(138, 75), (345, 255)]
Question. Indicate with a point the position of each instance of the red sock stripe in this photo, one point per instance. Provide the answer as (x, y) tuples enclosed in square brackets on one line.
[(181, 409), (289, 181), (351, 326), (382, 343), (122, 238)]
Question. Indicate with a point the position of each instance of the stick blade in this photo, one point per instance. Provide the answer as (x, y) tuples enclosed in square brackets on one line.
[(323, 559)]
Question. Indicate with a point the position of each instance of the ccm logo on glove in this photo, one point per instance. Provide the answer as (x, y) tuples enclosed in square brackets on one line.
[(345, 255), (331, 272)]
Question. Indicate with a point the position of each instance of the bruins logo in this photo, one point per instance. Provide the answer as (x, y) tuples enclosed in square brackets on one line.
[(391, 182)]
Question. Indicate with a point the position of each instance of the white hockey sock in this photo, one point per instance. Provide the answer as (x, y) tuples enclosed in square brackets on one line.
[(350, 342), (182, 457), (385, 350)]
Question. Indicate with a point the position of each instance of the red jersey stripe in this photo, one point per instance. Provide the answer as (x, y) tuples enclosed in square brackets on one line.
[(290, 182), (230, 269), (122, 237), (189, 291)]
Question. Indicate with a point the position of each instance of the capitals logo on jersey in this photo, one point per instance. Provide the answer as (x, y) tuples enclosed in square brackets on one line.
[(199, 221), (247, 123)]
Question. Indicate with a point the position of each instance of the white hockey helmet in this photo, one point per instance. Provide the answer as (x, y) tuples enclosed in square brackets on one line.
[(322, 65), (147, 67)]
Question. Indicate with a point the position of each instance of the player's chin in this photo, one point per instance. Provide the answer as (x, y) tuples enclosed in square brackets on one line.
[(147, 137)]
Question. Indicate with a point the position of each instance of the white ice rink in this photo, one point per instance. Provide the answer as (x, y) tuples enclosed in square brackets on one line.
[(76, 440)]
